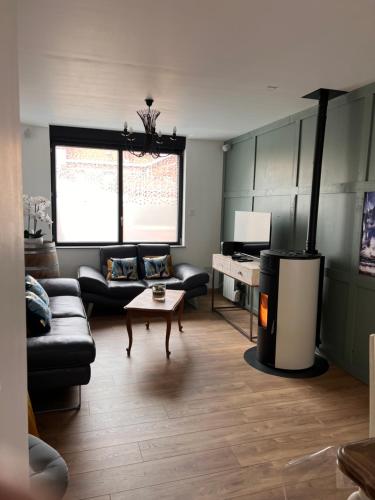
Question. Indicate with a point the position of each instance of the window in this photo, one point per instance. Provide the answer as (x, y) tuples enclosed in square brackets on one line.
[(105, 195), (150, 198), (86, 194)]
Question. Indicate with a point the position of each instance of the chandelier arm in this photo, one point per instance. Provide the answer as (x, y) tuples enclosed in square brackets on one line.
[(153, 141)]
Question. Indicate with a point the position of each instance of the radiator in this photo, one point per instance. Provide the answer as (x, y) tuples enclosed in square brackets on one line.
[(230, 291)]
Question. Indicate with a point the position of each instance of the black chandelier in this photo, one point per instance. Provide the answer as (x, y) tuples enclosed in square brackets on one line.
[(154, 143)]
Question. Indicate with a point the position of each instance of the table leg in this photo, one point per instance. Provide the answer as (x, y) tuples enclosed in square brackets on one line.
[(213, 289), (251, 313), (130, 332), (167, 335), (180, 311)]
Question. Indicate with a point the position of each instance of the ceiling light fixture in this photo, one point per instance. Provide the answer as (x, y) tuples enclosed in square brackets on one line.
[(154, 142)]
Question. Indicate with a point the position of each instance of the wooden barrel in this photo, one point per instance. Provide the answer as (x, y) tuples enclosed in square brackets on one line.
[(41, 260)]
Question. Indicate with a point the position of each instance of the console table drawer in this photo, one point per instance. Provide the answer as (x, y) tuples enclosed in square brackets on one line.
[(240, 272), (221, 263)]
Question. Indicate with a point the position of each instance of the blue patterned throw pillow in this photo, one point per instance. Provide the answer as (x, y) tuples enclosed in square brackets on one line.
[(156, 267), (32, 285), (38, 315), (122, 269)]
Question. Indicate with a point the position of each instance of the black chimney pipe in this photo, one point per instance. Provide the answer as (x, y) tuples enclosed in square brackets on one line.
[(324, 95)]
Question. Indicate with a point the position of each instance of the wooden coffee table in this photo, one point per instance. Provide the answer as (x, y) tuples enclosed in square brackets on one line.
[(145, 305)]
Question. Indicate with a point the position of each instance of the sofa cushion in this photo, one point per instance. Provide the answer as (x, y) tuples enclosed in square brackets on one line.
[(118, 251), (170, 283), (169, 262), (60, 286), (150, 249), (53, 378), (125, 289), (67, 306), (68, 344), (32, 285), (122, 269), (156, 267), (38, 315)]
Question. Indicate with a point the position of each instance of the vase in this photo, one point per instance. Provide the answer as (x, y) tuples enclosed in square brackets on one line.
[(158, 292), (33, 242)]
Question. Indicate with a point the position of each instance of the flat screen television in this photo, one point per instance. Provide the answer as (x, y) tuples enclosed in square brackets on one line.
[(252, 227)]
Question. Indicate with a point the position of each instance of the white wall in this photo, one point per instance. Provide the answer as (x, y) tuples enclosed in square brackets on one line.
[(203, 199), (13, 395), (35, 163), (203, 195)]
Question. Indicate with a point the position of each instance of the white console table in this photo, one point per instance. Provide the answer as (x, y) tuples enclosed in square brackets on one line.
[(245, 272)]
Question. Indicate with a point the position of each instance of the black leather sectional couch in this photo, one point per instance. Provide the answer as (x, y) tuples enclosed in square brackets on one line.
[(97, 290), (62, 357)]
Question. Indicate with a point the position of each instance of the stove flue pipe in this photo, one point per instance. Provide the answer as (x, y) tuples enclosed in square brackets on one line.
[(317, 172), (324, 95)]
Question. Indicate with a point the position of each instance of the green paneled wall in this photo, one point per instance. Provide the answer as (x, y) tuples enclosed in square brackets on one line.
[(270, 169), (275, 158)]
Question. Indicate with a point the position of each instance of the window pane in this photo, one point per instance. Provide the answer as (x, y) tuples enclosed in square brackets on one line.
[(86, 195), (150, 198)]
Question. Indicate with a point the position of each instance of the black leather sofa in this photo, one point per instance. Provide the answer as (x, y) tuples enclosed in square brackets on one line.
[(61, 357), (97, 290)]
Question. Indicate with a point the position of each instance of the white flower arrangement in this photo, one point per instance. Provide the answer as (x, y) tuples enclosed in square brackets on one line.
[(34, 211)]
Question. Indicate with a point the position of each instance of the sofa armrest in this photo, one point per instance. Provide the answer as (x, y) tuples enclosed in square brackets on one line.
[(190, 275), (91, 280), (61, 286)]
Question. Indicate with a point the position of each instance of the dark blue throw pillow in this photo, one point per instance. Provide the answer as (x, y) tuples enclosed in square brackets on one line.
[(157, 267), (122, 269), (38, 315), (32, 285)]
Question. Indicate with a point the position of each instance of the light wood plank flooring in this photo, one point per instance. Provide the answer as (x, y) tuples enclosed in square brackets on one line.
[(203, 424)]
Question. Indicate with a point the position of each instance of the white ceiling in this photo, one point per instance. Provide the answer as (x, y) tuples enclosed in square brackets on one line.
[(207, 63)]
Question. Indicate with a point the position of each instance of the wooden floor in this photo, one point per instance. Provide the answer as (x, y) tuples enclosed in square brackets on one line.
[(203, 424)]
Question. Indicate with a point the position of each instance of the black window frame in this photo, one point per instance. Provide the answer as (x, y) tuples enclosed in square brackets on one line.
[(112, 140)]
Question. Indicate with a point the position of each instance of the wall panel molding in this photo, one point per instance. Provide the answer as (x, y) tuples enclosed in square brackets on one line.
[(282, 152)]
